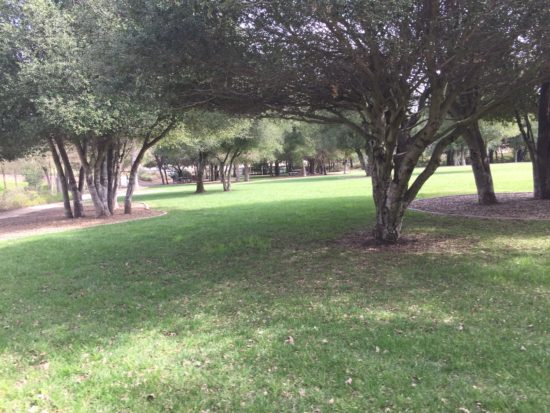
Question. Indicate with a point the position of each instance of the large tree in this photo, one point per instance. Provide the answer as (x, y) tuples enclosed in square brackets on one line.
[(399, 67)]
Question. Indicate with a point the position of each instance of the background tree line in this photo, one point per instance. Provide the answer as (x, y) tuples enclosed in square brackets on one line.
[(390, 82)]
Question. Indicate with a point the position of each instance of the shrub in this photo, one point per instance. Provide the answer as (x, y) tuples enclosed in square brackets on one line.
[(147, 176), (20, 198), (33, 175)]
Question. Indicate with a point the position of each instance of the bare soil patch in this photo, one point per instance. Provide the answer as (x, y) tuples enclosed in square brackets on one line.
[(407, 243), (520, 205), (52, 220)]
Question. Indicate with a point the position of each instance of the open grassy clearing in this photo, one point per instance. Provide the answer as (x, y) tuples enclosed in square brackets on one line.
[(192, 311)]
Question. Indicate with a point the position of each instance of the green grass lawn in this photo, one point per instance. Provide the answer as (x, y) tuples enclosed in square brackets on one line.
[(191, 312)]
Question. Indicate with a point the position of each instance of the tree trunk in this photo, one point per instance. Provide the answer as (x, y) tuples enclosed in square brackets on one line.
[(480, 165), (136, 161), (450, 157), (78, 208), (246, 173), (158, 161), (237, 170), (47, 176), (311, 166), (277, 168), (529, 139), (363, 161), (115, 159), (62, 180), (132, 178), (388, 202), (391, 175), (81, 181), (201, 165), (4, 178), (543, 144), (94, 172), (225, 177)]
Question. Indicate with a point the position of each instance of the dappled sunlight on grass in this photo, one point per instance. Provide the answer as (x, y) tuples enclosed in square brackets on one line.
[(246, 302)]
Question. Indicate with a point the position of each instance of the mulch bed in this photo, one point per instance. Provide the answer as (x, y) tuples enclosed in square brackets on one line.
[(520, 205), (52, 220)]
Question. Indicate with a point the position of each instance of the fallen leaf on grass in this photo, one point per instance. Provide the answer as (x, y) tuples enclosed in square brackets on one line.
[(290, 340)]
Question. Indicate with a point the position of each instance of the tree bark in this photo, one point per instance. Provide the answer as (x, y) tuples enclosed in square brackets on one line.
[(159, 167), (47, 176), (201, 165), (4, 178), (246, 172), (393, 194), (93, 169), (543, 144), (450, 157), (388, 203), (237, 170), (529, 139), (62, 180), (136, 161), (81, 181), (115, 156), (132, 177), (363, 161), (78, 208), (480, 165)]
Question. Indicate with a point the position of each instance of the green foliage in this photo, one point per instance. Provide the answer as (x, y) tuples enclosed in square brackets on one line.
[(33, 173), (495, 133), (23, 197)]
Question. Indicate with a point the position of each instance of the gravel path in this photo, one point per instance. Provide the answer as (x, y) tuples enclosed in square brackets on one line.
[(519, 205)]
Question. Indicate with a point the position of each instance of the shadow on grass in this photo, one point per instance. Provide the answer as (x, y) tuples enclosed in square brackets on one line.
[(200, 247), (218, 291)]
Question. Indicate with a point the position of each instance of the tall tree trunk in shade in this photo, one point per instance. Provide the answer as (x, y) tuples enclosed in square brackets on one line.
[(480, 165), (543, 144), (78, 208), (62, 179)]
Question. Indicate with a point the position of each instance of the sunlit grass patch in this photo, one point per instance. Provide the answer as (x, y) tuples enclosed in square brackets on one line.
[(247, 302)]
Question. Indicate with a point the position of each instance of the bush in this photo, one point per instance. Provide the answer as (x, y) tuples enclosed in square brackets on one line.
[(20, 198), (33, 175), (147, 176)]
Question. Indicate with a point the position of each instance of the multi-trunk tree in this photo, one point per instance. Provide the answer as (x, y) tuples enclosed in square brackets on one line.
[(399, 67)]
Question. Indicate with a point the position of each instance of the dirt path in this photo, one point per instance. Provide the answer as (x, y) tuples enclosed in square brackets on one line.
[(47, 219), (16, 213)]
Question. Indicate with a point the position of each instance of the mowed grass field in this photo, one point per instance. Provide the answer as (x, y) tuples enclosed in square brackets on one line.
[(247, 302)]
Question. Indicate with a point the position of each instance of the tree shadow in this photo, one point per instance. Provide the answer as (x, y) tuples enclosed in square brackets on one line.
[(214, 278)]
